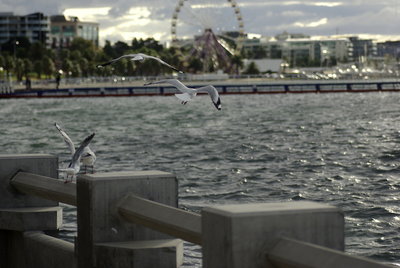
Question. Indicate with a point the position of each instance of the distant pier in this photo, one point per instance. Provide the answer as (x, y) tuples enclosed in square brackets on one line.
[(238, 87)]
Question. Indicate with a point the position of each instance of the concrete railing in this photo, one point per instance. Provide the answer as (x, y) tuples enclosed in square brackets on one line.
[(131, 219)]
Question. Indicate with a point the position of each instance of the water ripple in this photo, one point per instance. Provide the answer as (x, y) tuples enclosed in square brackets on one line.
[(341, 149)]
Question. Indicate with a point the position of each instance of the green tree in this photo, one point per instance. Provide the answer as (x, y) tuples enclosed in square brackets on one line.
[(121, 48), (9, 64), (37, 51), (19, 69), (68, 67), (195, 65), (252, 69), (84, 66), (2, 61), (237, 62), (38, 67), (48, 66), (86, 48), (28, 67), (109, 50)]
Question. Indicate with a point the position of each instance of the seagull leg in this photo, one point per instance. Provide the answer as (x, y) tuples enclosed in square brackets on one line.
[(66, 180)]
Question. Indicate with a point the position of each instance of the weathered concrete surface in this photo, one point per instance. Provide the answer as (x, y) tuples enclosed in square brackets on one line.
[(21, 211), (152, 253), (240, 235), (30, 218), (40, 164), (45, 187), (166, 219), (291, 253), (98, 196), (43, 251)]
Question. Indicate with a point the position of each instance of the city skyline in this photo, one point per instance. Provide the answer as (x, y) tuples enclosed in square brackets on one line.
[(123, 21)]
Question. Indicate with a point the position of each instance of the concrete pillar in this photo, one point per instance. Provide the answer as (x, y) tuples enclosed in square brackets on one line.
[(40, 164), (239, 236), (20, 212), (46, 251), (99, 223)]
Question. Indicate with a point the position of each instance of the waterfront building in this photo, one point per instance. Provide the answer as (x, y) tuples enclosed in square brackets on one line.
[(363, 48), (64, 30), (35, 27), (298, 49), (389, 49), (322, 50)]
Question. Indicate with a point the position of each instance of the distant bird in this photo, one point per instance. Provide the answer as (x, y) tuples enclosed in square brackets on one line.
[(189, 93), (139, 57), (75, 165), (88, 157)]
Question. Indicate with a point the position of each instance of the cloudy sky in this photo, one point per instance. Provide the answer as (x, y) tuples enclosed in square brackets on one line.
[(126, 19)]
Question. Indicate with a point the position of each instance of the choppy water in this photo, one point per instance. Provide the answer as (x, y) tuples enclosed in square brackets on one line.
[(340, 149)]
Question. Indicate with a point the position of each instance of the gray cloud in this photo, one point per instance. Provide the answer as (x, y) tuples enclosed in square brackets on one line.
[(266, 18)]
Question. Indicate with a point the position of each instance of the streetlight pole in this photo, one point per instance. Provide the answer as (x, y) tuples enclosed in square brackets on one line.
[(16, 43)]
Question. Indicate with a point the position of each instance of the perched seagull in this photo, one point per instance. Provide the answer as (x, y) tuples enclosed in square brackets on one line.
[(138, 57), (75, 165), (189, 93), (88, 156)]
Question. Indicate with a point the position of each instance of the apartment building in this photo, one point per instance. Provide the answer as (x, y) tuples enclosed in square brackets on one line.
[(35, 27), (64, 30)]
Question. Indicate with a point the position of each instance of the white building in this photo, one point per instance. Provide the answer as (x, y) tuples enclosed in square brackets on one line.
[(299, 49)]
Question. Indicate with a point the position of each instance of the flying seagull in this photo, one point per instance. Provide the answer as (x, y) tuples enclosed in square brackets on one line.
[(189, 93), (139, 57), (88, 157), (75, 165)]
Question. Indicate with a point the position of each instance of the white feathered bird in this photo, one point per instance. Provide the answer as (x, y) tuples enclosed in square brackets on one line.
[(75, 165), (189, 93), (88, 157), (138, 57)]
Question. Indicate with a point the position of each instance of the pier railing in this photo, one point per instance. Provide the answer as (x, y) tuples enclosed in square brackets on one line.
[(281, 87), (132, 219)]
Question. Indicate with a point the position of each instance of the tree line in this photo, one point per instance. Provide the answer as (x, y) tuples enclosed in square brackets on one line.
[(23, 59)]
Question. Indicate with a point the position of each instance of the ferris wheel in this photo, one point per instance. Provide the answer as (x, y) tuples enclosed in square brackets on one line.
[(200, 17)]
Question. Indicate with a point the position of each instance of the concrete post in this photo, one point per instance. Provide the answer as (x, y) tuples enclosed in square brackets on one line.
[(40, 164), (239, 236), (104, 238), (23, 212)]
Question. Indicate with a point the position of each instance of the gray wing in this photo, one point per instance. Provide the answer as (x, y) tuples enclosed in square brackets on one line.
[(78, 154), (66, 138), (160, 61), (214, 95), (116, 59), (174, 82)]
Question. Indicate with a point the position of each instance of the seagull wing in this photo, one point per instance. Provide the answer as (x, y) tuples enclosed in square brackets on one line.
[(66, 138), (162, 62), (174, 82), (78, 154), (116, 59), (212, 91), (184, 97)]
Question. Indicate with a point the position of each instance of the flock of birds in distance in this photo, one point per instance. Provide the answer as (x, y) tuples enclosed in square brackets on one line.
[(86, 157)]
